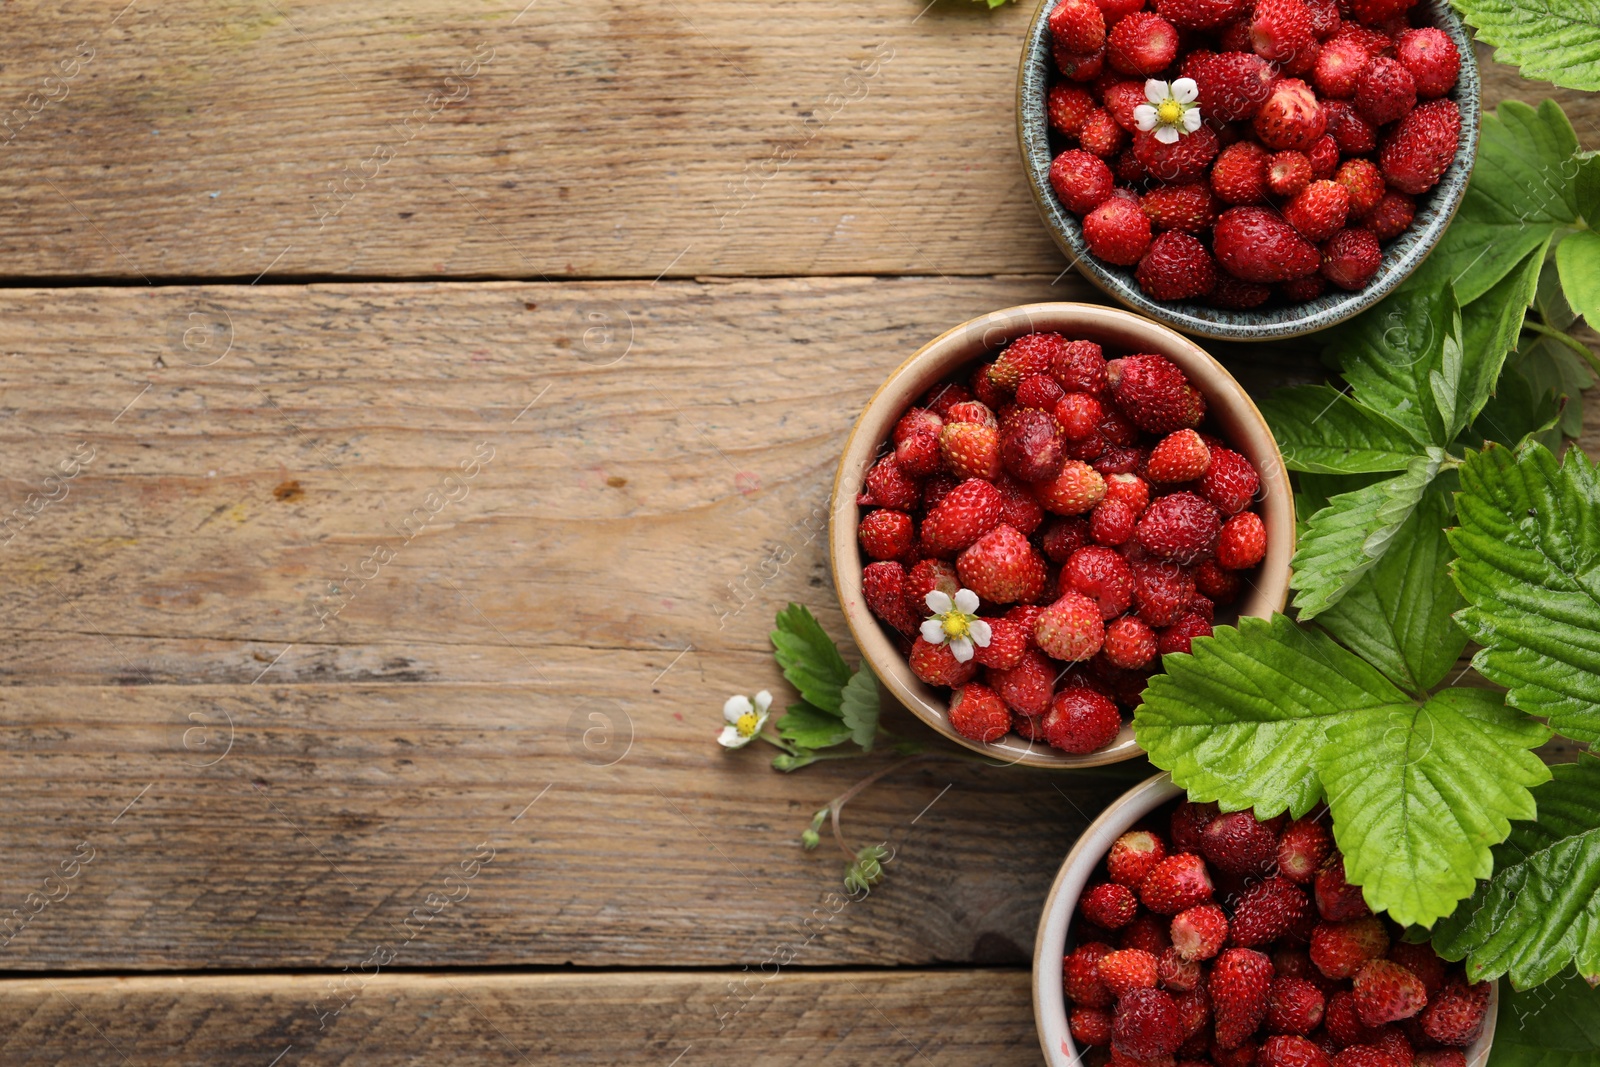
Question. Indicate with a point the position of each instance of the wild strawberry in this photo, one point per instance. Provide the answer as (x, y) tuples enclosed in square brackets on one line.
[(1363, 182), (1234, 85), (916, 442), (1239, 175), (1143, 44), (1304, 846), (886, 534), (1242, 542), (1116, 459), (1079, 367), (1008, 640), (1229, 482), (1127, 168), (1129, 489), (1339, 65), (1242, 1056), (1421, 961), (1081, 720), (1337, 899), (1127, 969), (1440, 1057), (1386, 992), (1090, 1026), (1111, 523), (1280, 30), (1101, 575), (1299, 290), (1176, 884), (1018, 509), (1065, 106), (1117, 231), (1339, 949), (1364, 1056), (1077, 25), (1146, 1025), (1176, 267), (1027, 687), (1078, 66), (1079, 415), (1002, 567), (883, 586), (1147, 932), (1292, 117), (1238, 844), (1416, 154), (944, 396), (1154, 394), (1391, 217), (1178, 636), (1070, 629), (889, 486), (1184, 160), (1130, 643), (966, 513), (1178, 975), (1241, 985), (1080, 976), (1198, 933), (1352, 134), (1373, 12), (1181, 528), (937, 665), (1343, 1023), (1039, 391), (977, 712), (1385, 91), (1324, 157), (1350, 258), (1189, 208), (1115, 425), (1063, 537), (1200, 14), (1259, 246), (1134, 855), (1101, 135), (1432, 59), (1291, 1051), (1031, 445), (975, 412), (1288, 173), (1081, 180), (1117, 10), (1266, 911), (1109, 905), (1030, 354), (1237, 294), (1188, 825), (1074, 491), (1294, 1006), (1319, 211), (1178, 457), (970, 450), (1456, 1015)]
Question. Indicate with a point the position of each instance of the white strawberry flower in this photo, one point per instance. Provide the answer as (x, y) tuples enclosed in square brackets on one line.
[(1172, 111), (956, 622), (745, 719)]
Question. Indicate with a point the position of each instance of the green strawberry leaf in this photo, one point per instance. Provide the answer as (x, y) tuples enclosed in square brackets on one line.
[(1528, 549), (1273, 716), (1490, 327), (1578, 260), (1540, 913), (1554, 1025), (1322, 430), (1549, 300), (859, 707), (1556, 41), (1521, 192), (1341, 542), (1397, 616), (1313, 491), (1586, 193), (809, 659), (1390, 354), (811, 727), (1550, 367), (1419, 793), (1516, 413)]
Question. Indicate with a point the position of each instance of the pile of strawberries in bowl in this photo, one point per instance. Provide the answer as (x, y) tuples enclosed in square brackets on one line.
[(1234, 152), (1239, 943), (1042, 532)]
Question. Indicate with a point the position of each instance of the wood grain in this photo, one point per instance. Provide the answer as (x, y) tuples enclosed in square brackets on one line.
[(821, 1020), (199, 139)]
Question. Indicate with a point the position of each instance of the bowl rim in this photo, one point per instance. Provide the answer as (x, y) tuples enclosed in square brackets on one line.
[(1330, 309), (1055, 920), (960, 345)]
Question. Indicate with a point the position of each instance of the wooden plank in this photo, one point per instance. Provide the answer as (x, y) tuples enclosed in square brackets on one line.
[(200, 138), (661, 1020)]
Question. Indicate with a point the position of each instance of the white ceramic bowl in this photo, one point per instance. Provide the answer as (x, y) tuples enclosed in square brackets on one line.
[(1049, 1000)]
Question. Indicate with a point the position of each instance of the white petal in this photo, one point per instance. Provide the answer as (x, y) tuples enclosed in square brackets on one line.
[(1185, 91), (933, 632), (961, 648), (729, 738), (763, 702), (1166, 135), (1144, 116), (981, 634), (1156, 90), (761, 721), (938, 601), (966, 601), (1191, 119), (735, 707)]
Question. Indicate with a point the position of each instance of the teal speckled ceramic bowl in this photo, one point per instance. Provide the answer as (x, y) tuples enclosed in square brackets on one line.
[(1274, 322)]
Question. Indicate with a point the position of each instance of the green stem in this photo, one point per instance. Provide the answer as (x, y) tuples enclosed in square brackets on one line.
[(1566, 339), (780, 742)]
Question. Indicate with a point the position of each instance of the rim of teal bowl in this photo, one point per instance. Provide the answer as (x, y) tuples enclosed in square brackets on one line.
[(1404, 254)]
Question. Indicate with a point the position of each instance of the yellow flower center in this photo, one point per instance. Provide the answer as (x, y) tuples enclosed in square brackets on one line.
[(747, 724), (1170, 112), (955, 624)]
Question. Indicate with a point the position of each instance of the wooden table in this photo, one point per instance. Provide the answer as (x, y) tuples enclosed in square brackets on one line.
[(455, 390)]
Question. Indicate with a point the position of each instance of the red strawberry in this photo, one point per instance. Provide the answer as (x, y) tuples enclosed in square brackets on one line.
[(1112, 522), (1188, 825), (1292, 117), (1002, 567), (1116, 459), (1259, 246), (1184, 160), (1181, 528), (1198, 933), (1239, 175), (1363, 182), (1242, 542), (887, 485), (1385, 91), (1101, 135), (1200, 14), (916, 442), (1266, 911), (926, 576), (1178, 974), (1391, 217), (1304, 846), (1324, 156), (1339, 949), (1301, 289), (1103, 576), (1130, 643), (1031, 445), (1280, 30), (1178, 636), (1074, 491), (1364, 1056), (1350, 258), (1288, 173), (1066, 105), (977, 712), (1290, 1051), (1373, 12), (966, 513), (1243, 1056), (937, 665), (1189, 208), (1079, 66), (883, 586), (1339, 65), (1081, 181), (1440, 1057), (1176, 884), (1220, 585), (1456, 1015), (1077, 26), (1154, 394), (1117, 231), (1090, 1026), (970, 450), (1295, 1006), (1071, 629), (973, 411), (1432, 59), (1040, 391), (1079, 415), (1176, 267), (1008, 640), (1142, 43), (1081, 976), (1027, 687), (887, 534), (1352, 134), (941, 398), (1030, 354), (1178, 457), (1421, 961), (1238, 844), (1121, 99), (1109, 905), (1384, 991), (1079, 367), (1063, 537), (1229, 482), (1240, 295), (1416, 154), (1134, 855), (1374, 41), (1018, 508), (1344, 1026), (1117, 10), (1146, 1025), (1082, 720), (1318, 212), (1129, 489), (1337, 899), (1241, 985), (1148, 932), (1234, 85), (1115, 426), (1127, 969)]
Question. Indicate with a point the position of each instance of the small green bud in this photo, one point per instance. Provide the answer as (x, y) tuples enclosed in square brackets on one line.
[(810, 839)]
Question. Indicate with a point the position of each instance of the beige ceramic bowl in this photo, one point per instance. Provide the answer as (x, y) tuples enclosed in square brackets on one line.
[(1049, 1000), (1231, 412)]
